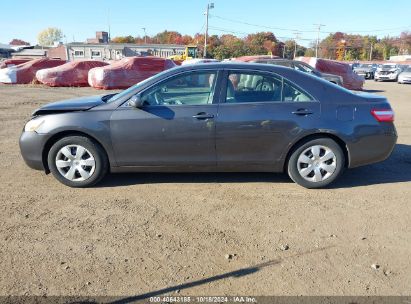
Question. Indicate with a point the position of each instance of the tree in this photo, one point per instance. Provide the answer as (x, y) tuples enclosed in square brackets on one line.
[(18, 42), (48, 36), (123, 39)]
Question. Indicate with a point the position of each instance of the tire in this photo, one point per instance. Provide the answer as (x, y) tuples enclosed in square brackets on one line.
[(323, 173), (77, 161)]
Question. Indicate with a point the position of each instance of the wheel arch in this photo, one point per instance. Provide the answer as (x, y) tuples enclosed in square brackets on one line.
[(56, 137), (307, 138)]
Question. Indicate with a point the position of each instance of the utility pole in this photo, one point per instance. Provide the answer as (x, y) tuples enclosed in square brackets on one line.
[(145, 35), (297, 36), (318, 38), (371, 51), (108, 22), (209, 6)]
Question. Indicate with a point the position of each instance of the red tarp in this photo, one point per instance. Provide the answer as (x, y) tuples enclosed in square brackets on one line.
[(11, 62), (254, 57), (127, 72), (26, 72), (71, 74), (350, 80)]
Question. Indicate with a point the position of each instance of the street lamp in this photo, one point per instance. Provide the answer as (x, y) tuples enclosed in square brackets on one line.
[(209, 6), (145, 35)]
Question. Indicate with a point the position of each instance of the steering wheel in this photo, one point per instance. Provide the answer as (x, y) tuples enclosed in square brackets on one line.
[(158, 98), (264, 85)]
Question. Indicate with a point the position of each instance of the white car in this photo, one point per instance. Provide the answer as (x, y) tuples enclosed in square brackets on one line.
[(405, 76), (387, 72)]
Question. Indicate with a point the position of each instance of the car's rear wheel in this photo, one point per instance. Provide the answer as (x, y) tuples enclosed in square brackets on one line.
[(316, 163), (77, 161)]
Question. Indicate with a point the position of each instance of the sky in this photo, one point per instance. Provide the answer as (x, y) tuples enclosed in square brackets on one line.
[(80, 19)]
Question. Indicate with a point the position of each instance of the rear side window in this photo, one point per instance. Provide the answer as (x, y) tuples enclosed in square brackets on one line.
[(291, 93), (261, 87)]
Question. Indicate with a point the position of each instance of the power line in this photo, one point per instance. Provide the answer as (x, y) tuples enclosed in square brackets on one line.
[(244, 33), (307, 31)]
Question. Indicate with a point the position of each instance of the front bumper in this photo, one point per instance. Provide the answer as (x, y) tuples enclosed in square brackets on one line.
[(391, 76), (404, 80), (31, 148), (366, 75)]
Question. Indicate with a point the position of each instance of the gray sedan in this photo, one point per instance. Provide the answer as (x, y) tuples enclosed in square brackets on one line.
[(215, 117)]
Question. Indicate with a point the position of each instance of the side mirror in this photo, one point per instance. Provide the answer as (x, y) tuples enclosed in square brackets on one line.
[(136, 101)]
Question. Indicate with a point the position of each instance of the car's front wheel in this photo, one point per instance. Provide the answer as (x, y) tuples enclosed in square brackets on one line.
[(77, 161), (316, 163)]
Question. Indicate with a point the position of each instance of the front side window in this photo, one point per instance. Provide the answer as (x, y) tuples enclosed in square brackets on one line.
[(187, 89), (256, 87), (253, 87)]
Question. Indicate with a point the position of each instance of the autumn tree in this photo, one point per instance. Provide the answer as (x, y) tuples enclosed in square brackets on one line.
[(123, 39), (49, 36), (18, 42)]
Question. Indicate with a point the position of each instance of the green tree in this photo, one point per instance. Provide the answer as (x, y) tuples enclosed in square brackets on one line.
[(48, 36)]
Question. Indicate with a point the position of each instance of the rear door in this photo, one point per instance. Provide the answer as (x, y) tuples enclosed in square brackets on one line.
[(260, 114)]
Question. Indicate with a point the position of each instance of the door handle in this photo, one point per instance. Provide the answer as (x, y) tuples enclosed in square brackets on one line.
[(303, 112), (203, 116)]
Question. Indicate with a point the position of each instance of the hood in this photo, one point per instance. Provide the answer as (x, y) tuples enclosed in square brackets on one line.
[(70, 105), (388, 69), (406, 74), (364, 69)]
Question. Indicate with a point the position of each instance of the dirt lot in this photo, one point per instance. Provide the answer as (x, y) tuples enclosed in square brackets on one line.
[(143, 233)]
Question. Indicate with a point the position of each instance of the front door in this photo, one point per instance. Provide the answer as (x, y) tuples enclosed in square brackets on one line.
[(259, 118), (175, 128)]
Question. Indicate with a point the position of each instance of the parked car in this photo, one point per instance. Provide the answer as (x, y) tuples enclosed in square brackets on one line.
[(12, 62), (70, 74), (405, 76), (351, 80), (126, 72), (26, 72), (303, 67), (366, 70), (387, 72), (245, 117), (198, 60)]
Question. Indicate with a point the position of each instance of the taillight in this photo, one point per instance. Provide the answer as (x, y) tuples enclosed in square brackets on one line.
[(383, 115)]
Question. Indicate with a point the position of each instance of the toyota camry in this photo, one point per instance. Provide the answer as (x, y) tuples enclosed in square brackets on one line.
[(215, 117)]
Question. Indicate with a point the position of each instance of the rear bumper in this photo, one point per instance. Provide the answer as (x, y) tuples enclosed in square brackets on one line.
[(373, 148), (31, 148)]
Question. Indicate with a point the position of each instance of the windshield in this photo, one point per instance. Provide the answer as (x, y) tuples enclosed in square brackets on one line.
[(134, 87), (408, 69), (365, 66), (303, 67), (389, 66)]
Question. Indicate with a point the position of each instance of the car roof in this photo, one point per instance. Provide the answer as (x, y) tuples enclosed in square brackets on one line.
[(235, 65)]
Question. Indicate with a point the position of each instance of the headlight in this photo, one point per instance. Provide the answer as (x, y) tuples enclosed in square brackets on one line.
[(33, 125)]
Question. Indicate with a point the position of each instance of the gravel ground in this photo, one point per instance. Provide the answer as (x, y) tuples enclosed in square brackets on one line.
[(202, 234)]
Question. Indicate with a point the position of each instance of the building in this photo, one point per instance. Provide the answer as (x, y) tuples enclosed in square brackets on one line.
[(30, 53), (5, 50), (400, 58), (116, 51), (101, 37)]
